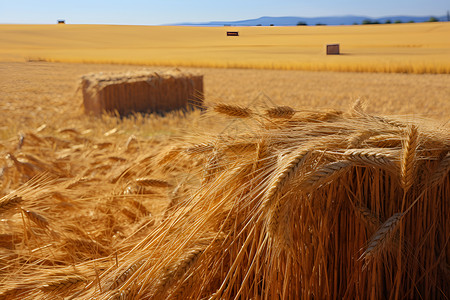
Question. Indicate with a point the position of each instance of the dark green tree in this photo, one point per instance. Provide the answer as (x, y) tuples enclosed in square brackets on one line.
[(433, 19), (388, 22), (301, 23)]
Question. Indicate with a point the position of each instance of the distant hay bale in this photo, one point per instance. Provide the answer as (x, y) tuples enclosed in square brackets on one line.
[(143, 91), (333, 49)]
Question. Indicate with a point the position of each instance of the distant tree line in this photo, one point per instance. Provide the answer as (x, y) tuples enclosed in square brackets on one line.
[(370, 22)]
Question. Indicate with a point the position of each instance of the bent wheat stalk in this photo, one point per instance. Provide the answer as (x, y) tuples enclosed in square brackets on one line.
[(382, 236), (409, 158), (284, 175)]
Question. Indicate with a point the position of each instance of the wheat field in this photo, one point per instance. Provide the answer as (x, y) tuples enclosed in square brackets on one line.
[(290, 184), (398, 48)]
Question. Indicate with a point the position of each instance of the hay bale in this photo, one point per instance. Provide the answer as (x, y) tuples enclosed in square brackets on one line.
[(143, 91), (333, 49)]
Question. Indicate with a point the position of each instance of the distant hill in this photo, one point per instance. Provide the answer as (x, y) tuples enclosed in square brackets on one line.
[(292, 21)]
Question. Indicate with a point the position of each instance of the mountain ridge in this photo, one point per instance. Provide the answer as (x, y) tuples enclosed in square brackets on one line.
[(330, 20)]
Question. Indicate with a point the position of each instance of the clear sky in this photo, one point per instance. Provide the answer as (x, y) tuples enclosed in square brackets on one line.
[(160, 12)]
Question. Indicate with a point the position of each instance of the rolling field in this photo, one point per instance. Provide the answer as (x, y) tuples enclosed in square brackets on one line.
[(293, 184), (399, 48)]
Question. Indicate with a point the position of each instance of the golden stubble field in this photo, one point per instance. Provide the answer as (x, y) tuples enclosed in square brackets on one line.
[(196, 205)]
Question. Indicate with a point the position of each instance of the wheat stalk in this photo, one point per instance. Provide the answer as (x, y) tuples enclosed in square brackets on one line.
[(280, 112), (409, 158), (233, 110)]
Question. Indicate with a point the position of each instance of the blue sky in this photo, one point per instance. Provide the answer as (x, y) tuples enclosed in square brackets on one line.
[(140, 12)]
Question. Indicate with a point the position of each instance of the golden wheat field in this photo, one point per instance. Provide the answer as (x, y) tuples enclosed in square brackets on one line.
[(290, 184), (401, 48)]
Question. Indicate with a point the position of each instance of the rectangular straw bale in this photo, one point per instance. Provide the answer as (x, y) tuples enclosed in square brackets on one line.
[(144, 91)]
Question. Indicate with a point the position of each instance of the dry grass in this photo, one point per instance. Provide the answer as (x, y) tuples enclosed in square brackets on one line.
[(398, 48)]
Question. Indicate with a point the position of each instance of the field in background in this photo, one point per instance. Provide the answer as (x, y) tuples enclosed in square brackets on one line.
[(37, 93), (399, 48)]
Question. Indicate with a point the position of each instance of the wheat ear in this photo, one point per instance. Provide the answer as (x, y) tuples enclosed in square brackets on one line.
[(200, 148), (280, 112), (126, 274), (233, 110), (367, 217), (212, 166), (65, 283), (262, 153), (409, 158), (8, 202), (441, 170), (278, 224), (283, 176), (176, 271), (382, 236), (37, 219), (369, 157), (357, 139), (151, 182), (324, 175)]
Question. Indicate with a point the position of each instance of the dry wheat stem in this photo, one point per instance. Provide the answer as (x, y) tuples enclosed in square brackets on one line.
[(235, 111), (409, 158)]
